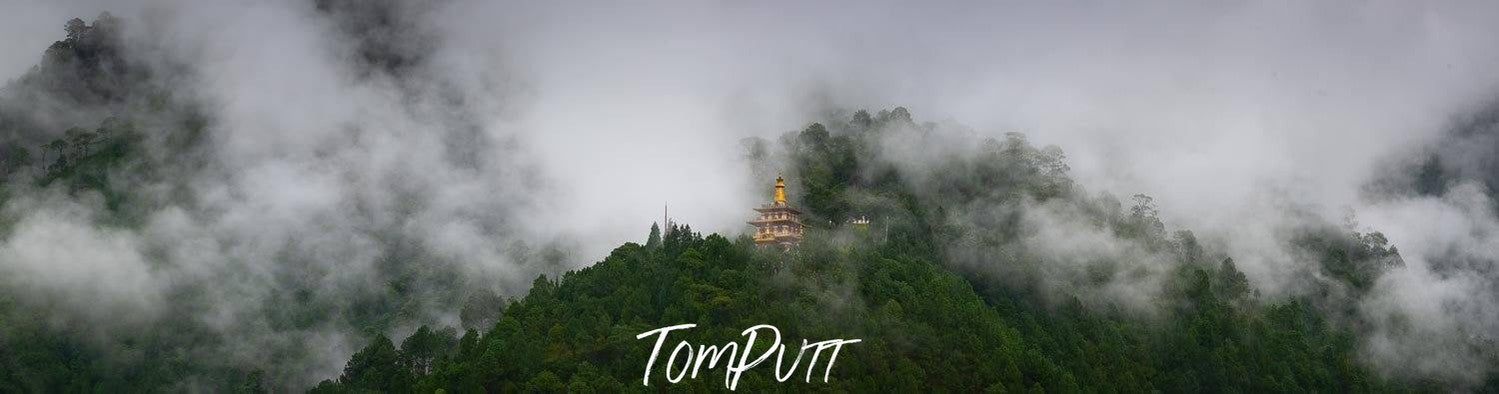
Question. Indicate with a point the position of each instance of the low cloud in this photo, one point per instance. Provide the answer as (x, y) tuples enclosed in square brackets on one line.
[(339, 150)]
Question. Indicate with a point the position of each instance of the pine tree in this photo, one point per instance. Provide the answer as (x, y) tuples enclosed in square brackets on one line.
[(655, 238)]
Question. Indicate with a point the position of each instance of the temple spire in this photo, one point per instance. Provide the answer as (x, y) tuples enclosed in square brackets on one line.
[(780, 191), (779, 223)]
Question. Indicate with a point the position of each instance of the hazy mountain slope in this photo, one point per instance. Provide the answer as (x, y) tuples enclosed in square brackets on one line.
[(924, 327), (147, 242)]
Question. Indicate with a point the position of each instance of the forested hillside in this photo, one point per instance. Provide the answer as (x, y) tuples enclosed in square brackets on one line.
[(104, 149), (923, 329), (927, 322), (985, 265)]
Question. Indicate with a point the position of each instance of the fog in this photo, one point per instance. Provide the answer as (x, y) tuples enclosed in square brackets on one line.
[(576, 124), (1203, 107)]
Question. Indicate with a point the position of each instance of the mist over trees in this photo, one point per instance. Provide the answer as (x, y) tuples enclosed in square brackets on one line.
[(925, 329), (998, 322), (1007, 211), (143, 249), (159, 233), (1443, 194)]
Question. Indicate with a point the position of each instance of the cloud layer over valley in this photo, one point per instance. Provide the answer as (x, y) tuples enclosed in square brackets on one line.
[(313, 163)]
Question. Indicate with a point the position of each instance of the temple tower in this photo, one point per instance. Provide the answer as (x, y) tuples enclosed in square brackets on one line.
[(779, 223)]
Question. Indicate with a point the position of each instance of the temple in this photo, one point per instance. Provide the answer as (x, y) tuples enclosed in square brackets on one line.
[(779, 223)]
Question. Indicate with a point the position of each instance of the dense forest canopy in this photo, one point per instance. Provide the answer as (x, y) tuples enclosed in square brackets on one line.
[(944, 300), (986, 266), (183, 271)]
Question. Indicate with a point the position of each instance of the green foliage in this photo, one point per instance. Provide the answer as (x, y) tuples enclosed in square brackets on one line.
[(1355, 259), (379, 366), (90, 140), (654, 240), (924, 329), (929, 319)]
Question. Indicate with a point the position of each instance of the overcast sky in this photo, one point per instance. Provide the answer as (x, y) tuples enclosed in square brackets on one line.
[(1224, 112), (631, 105)]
